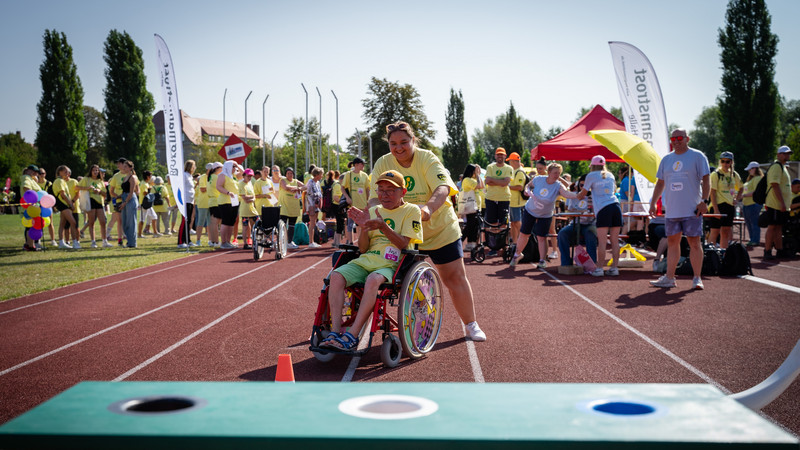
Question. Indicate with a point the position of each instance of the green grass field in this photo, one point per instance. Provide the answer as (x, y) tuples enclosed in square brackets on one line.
[(26, 272)]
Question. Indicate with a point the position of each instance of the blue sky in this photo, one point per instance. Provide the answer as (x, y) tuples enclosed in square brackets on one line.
[(549, 58)]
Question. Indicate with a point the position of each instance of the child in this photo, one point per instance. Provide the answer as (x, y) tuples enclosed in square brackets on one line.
[(387, 228)]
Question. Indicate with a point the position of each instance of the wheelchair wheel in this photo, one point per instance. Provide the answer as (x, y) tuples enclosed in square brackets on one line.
[(420, 308), (280, 240), (258, 240), (478, 254), (391, 351), (315, 340)]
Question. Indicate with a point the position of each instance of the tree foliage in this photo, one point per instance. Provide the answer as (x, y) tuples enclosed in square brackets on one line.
[(706, 135), (456, 149), (95, 124), (511, 133), (60, 134), (15, 155), (130, 132), (749, 102), (388, 102), (490, 136)]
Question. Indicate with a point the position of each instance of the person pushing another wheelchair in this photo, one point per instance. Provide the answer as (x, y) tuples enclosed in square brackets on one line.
[(393, 225)]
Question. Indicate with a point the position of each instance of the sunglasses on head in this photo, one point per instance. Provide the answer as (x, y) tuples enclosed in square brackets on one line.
[(676, 138), (396, 126)]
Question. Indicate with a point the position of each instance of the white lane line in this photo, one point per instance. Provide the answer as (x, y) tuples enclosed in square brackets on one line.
[(644, 337), (785, 287), (132, 319), (211, 324), (477, 373), (110, 284)]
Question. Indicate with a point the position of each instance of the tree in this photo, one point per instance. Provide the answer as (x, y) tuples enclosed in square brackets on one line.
[(60, 133), (706, 135), (456, 149), (749, 103), (388, 102), (95, 137), (130, 132), (511, 133), (531, 137), (15, 155)]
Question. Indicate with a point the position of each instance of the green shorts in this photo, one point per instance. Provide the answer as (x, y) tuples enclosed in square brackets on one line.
[(353, 273)]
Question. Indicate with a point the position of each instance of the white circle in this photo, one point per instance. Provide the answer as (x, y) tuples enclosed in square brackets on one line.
[(388, 407)]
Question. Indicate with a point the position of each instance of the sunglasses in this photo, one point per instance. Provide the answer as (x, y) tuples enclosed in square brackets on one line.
[(725, 161), (396, 126), (676, 138)]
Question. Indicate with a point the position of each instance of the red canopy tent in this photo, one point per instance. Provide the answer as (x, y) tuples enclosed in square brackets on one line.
[(574, 144)]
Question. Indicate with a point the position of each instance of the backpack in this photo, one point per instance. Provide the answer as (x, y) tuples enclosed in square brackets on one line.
[(761, 190), (712, 261), (531, 252), (736, 261), (527, 180), (321, 236), (147, 201), (300, 234), (157, 200), (327, 197)]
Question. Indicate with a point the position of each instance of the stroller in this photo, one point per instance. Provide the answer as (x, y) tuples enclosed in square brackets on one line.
[(497, 239)]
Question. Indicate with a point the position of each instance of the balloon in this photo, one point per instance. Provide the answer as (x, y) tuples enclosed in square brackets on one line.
[(34, 210), (25, 214), (48, 201), (38, 223), (35, 234), (47, 221), (31, 197), (46, 212), (27, 223), (41, 194)]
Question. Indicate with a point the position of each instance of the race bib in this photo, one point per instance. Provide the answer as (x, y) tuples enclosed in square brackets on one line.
[(538, 205), (265, 189), (361, 191), (674, 187), (391, 253)]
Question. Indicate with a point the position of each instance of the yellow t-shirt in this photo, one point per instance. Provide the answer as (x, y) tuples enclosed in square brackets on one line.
[(405, 220), (144, 189), (516, 196), (498, 193), (29, 184), (230, 185), (200, 197), (290, 201), (211, 191), (262, 187), (336, 192), (749, 187), (247, 209), (69, 189), (116, 183), (357, 184), (422, 178), (163, 190), (724, 184), (779, 174), (89, 182)]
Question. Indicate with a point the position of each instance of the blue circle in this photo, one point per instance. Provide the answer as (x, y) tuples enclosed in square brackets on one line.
[(624, 408)]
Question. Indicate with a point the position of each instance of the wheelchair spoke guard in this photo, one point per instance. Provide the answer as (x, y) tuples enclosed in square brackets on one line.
[(420, 309)]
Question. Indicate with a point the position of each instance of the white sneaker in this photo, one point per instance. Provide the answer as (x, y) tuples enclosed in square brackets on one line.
[(314, 245), (183, 246), (542, 264), (475, 333), (613, 272), (62, 244), (664, 282), (515, 259), (227, 246), (192, 232), (76, 245), (94, 244), (54, 243), (107, 244), (552, 255), (598, 272), (469, 246), (292, 245), (193, 244), (697, 284)]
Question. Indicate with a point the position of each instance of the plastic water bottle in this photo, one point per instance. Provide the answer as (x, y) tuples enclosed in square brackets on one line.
[(738, 210)]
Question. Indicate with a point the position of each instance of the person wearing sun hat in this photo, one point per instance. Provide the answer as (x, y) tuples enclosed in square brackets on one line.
[(778, 204), (726, 185), (750, 208), (516, 187)]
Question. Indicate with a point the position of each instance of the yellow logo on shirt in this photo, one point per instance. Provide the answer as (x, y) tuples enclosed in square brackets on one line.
[(677, 166), (441, 176), (416, 226), (409, 183), (389, 222)]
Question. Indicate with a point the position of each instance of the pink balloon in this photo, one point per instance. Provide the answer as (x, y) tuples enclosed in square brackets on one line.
[(48, 201)]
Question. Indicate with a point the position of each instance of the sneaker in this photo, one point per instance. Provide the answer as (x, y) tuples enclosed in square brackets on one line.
[(227, 246), (475, 333), (54, 243), (192, 232), (768, 255), (81, 235), (183, 246), (157, 234), (107, 244), (314, 245), (119, 242), (515, 259), (292, 245), (94, 244), (697, 284), (614, 272), (492, 253), (62, 244), (542, 264), (246, 247), (235, 242), (76, 245), (193, 244), (598, 272), (552, 255), (664, 282)]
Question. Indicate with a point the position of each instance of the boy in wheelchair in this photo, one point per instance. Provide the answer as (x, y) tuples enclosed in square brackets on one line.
[(387, 228)]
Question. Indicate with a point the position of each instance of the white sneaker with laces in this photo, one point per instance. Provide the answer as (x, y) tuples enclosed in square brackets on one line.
[(107, 244), (292, 245), (62, 244), (515, 259), (598, 272), (192, 232), (76, 245), (697, 284), (314, 245), (54, 243), (614, 272), (227, 246), (94, 244), (183, 246), (475, 333), (193, 244), (552, 255), (664, 282), (542, 264)]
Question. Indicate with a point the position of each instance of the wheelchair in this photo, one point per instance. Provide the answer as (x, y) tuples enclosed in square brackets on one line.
[(269, 233), (416, 291), (499, 241)]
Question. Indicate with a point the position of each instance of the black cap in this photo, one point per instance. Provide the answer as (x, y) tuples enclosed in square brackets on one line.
[(358, 160), (121, 160), (33, 167)]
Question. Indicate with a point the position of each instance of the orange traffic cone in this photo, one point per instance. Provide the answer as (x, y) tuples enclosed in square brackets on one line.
[(285, 372)]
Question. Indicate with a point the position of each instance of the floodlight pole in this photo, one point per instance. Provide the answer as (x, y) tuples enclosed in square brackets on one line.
[(272, 147), (223, 115), (245, 124), (264, 136), (338, 149), (306, 127), (295, 154), (359, 142), (319, 139)]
